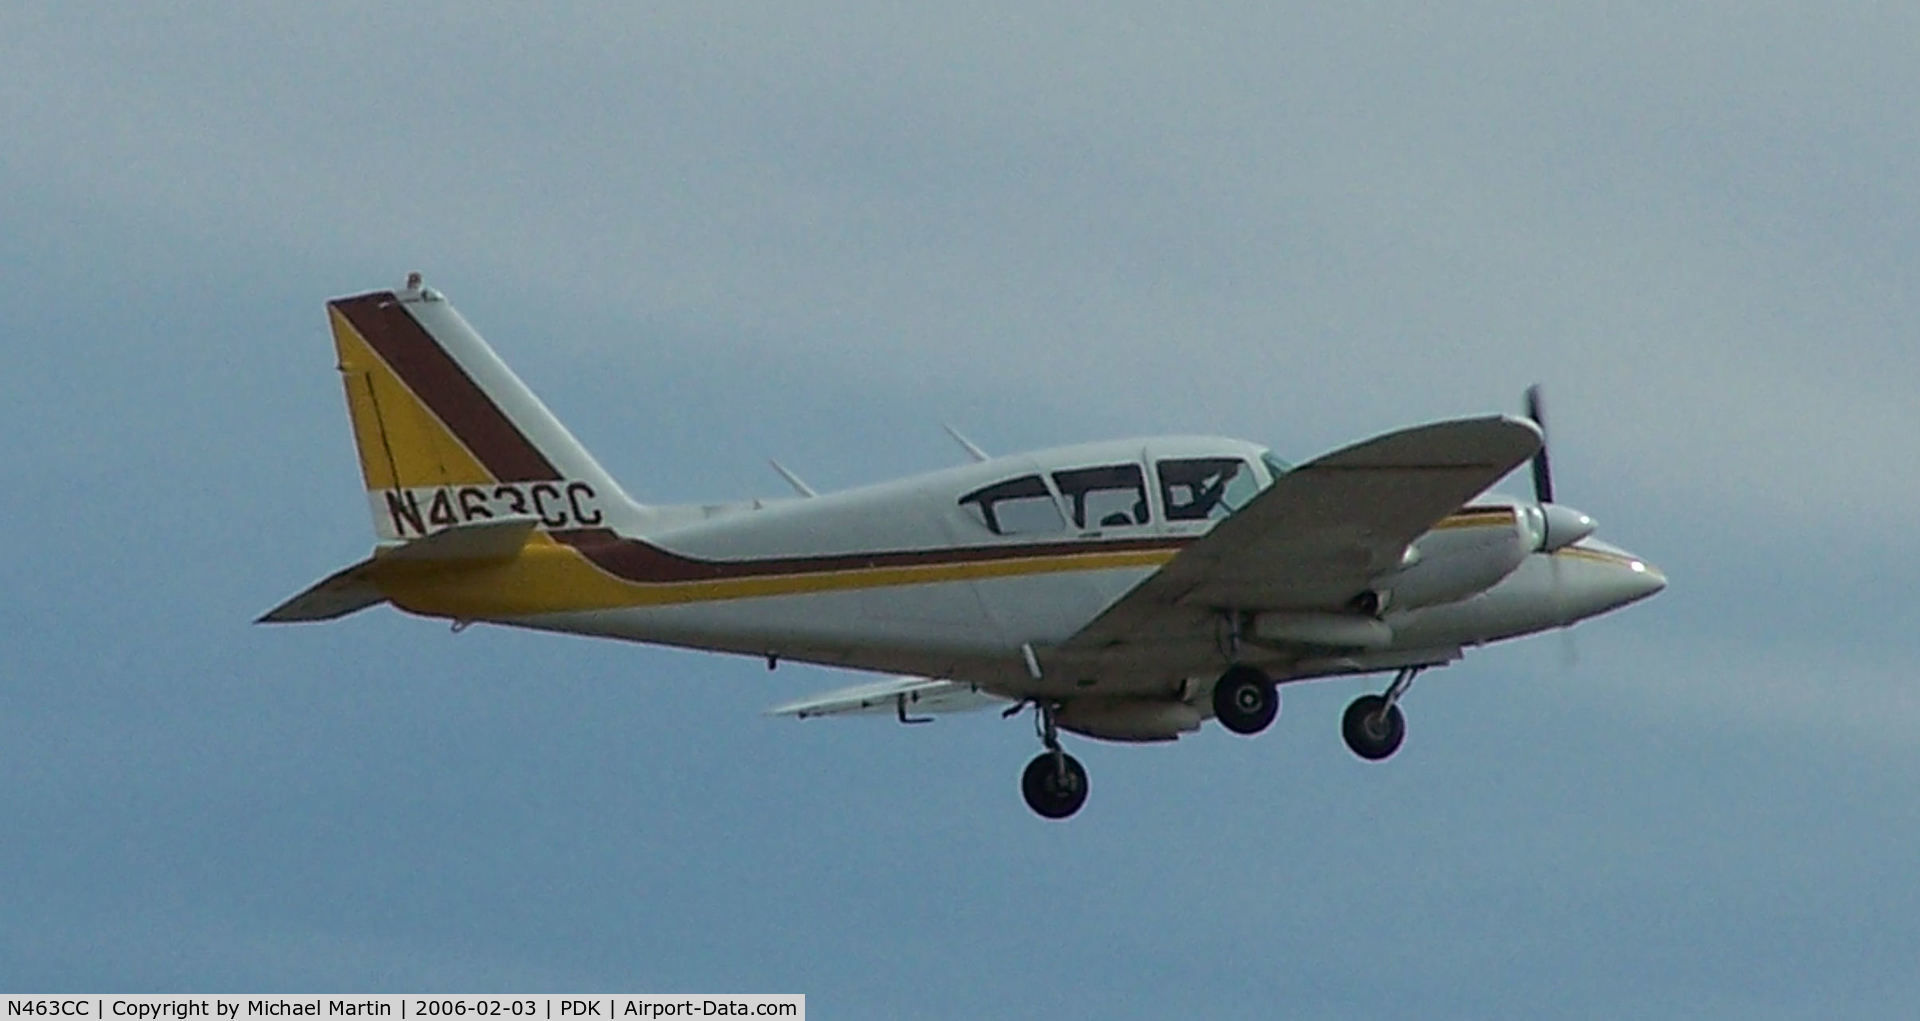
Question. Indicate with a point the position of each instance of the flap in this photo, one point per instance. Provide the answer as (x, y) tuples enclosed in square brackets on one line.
[(898, 696), (1320, 534)]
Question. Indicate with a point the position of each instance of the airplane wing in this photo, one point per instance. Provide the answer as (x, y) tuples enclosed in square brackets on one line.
[(1321, 533), (903, 697)]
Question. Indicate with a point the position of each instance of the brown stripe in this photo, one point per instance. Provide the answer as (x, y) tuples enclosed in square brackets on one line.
[(444, 387), (637, 561)]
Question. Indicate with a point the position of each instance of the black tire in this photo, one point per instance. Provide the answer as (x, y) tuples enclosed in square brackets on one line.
[(1372, 735), (1054, 790), (1245, 699)]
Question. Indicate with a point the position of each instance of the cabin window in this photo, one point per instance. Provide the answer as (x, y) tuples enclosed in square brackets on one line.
[(1202, 488), (1107, 497), (1022, 506)]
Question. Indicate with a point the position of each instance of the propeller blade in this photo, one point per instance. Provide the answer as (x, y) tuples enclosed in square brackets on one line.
[(1542, 470), (1543, 493)]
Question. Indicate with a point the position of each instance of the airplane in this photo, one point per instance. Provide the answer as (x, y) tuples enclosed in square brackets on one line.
[(1125, 590)]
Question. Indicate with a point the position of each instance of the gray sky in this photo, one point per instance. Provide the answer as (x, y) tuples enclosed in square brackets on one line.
[(709, 237)]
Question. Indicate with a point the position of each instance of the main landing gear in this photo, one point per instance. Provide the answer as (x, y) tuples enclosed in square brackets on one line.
[(1373, 724), (1245, 699), (1055, 784)]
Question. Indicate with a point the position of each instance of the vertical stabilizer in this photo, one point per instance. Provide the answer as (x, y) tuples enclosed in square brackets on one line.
[(447, 434)]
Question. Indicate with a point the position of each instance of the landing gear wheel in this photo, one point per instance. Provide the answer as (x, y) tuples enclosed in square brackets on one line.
[(1373, 728), (1245, 700), (1055, 785)]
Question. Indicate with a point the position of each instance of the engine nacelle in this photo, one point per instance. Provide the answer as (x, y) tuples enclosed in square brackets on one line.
[(1450, 564), (1128, 719)]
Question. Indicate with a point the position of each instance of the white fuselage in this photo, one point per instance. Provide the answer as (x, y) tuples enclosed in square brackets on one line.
[(907, 577)]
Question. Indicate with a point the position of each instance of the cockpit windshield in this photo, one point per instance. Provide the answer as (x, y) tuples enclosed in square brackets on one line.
[(1199, 488)]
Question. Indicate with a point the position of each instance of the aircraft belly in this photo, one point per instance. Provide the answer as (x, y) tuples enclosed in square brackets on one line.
[(1046, 609), (939, 623), (968, 630)]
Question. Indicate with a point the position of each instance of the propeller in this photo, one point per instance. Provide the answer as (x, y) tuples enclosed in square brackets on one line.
[(1559, 525), (1542, 471)]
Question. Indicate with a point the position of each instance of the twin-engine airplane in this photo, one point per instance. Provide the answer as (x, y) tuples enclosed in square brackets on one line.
[(1124, 590)]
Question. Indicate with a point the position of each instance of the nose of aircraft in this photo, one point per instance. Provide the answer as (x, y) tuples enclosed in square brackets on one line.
[(1641, 580), (1610, 577)]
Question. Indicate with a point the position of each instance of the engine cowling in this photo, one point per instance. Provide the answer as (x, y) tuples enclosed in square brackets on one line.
[(1452, 563), (1128, 719)]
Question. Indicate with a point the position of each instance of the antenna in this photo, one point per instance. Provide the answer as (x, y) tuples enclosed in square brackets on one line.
[(798, 484), (965, 444)]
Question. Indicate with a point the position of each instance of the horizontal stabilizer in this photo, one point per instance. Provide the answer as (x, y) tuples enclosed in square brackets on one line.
[(353, 588), (899, 696), (340, 593), (501, 539)]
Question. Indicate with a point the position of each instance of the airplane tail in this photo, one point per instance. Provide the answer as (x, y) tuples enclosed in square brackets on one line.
[(447, 434)]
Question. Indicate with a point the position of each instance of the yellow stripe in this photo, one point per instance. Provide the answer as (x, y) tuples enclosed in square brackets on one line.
[(1487, 518), (1595, 556), (549, 577)]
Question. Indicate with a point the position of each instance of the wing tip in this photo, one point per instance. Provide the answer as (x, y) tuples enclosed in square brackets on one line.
[(1487, 441)]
